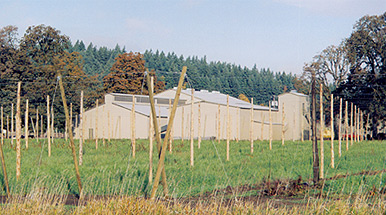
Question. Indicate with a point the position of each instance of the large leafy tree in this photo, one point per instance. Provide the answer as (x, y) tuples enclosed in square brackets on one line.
[(128, 76), (366, 83), (42, 45), (14, 65), (331, 67), (35, 60)]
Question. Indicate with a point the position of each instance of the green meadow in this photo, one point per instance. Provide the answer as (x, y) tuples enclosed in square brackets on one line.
[(112, 170)]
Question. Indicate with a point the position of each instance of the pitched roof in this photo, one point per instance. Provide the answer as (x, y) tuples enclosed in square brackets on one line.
[(220, 98), (296, 93), (145, 109)]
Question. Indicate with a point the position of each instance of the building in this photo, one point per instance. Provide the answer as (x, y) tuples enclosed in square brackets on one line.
[(210, 116)]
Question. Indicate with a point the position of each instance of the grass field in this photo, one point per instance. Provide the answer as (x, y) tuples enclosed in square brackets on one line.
[(111, 170)]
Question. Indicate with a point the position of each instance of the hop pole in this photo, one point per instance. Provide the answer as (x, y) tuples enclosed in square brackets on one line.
[(314, 139), (2, 157), (72, 145), (170, 124), (157, 134)]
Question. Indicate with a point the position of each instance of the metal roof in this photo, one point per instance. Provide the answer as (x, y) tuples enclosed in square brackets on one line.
[(145, 109), (219, 98), (296, 93)]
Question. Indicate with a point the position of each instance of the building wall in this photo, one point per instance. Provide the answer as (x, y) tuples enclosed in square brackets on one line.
[(114, 122), (209, 121), (296, 114), (260, 124)]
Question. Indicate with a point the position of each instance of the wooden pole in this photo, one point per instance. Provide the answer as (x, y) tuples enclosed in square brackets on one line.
[(270, 126), (172, 132), (170, 124), (70, 122), (12, 125), (7, 134), (41, 126), (351, 124), (104, 126), (18, 132), (157, 133), (81, 130), (228, 127), (2, 126), (315, 153), (72, 145), (340, 128), (355, 123), (237, 125), (262, 126), (346, 124), (151, 116), (282, 125), (358, 121), (332, 132), (5, 177), (191, 130), (48, 126), (293, 130), (182, 124), (26, 124), (218, 123), (206, 117), (302, 127), (367, 126), (37, 125), (159, 120), (52, 122), (251, 127), (33, 126), (361, 126), (65, 131), (199, 125), (133, 139), (96, 123), (321, 133), (108, 126)]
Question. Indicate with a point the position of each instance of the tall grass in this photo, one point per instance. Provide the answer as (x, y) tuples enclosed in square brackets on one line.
[(133, 205)]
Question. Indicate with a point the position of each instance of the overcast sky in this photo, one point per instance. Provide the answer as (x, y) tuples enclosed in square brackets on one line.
[(278, 34)]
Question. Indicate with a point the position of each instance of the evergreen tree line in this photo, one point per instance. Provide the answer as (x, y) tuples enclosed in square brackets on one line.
[(261, 84), (97, 61)]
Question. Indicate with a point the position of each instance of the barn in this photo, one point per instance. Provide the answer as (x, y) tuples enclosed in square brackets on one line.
[(207, 110)]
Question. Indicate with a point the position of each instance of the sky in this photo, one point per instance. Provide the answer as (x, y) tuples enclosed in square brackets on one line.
[(281, 35)]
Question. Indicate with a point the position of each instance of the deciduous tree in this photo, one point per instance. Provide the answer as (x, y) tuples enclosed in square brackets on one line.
[(127, 75)]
